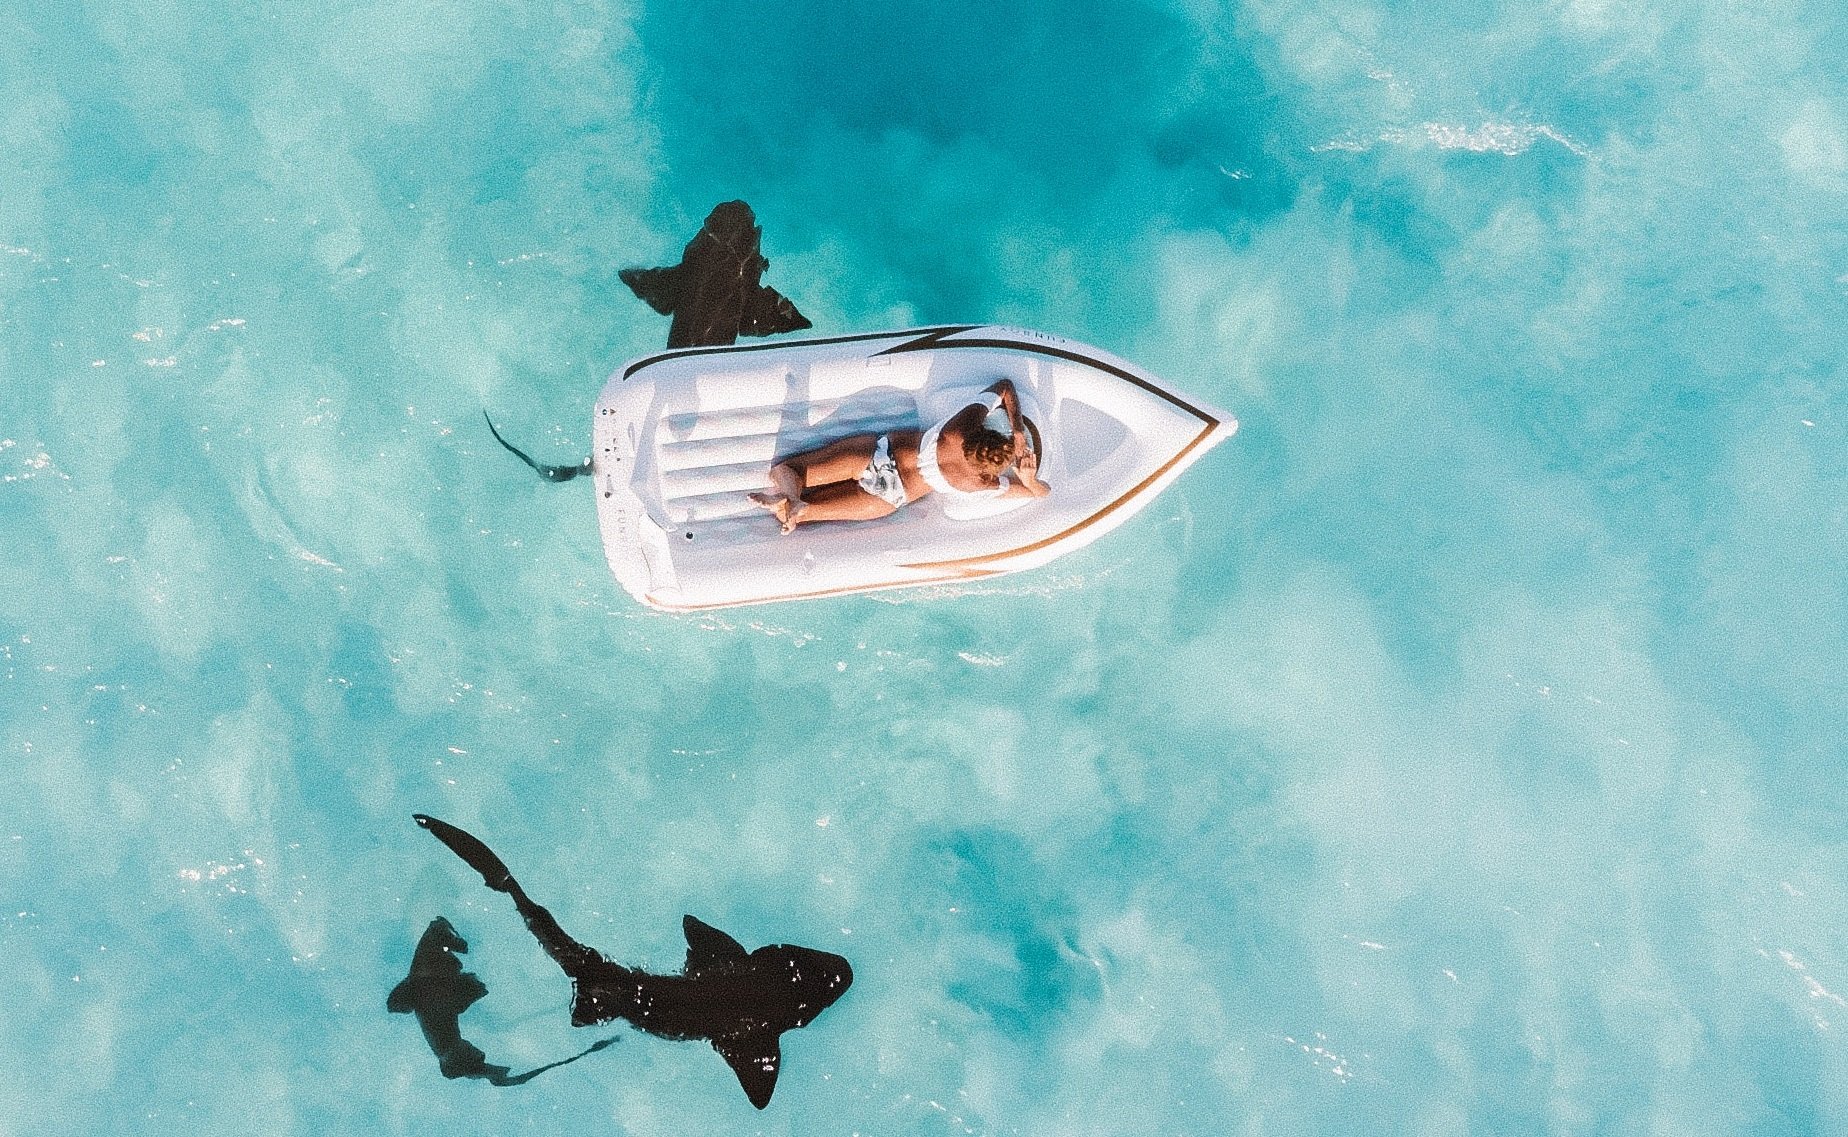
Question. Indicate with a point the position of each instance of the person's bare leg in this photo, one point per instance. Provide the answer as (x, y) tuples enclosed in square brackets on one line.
[(838, 501), (786, 484), (791, 479)]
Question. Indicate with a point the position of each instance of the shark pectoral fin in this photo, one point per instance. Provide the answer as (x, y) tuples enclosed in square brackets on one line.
[(707, 946), (469, 989), (768, 312), (658, 287), (403, 997), (755, 1058)]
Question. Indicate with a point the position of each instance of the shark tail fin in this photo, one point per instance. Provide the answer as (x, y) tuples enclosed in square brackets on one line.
[(575, 958), (479, 857), (549, 473)]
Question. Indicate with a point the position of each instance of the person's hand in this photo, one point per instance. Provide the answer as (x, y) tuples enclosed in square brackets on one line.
[(1028, 468), (1028, 464)]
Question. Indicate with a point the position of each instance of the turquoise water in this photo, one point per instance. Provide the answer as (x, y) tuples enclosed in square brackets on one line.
[(1459, 749)]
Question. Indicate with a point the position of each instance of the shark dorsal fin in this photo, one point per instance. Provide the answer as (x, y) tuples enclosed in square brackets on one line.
[(755, 1058), (707, 946)]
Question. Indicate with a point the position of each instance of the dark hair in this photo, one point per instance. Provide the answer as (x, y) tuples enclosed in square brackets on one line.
[(988, 451)]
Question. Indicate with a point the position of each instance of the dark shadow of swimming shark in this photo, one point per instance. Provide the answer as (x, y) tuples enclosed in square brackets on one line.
[(715, 294), (741, 1002), (437, 991)]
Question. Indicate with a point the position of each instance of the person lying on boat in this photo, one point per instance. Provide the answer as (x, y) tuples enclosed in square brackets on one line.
[(868, 476)]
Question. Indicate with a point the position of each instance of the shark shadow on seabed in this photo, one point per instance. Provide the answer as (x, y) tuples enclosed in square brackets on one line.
[(740, 1002), (437, 991)]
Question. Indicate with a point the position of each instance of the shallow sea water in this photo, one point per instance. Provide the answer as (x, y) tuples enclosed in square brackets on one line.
[(1459, 749)]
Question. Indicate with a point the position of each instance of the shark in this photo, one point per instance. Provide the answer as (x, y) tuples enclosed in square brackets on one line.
[(437, 991), (715, 294), (741, 1002)]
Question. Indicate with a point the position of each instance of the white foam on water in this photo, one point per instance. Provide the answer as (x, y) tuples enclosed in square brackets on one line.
[(1511, 139)]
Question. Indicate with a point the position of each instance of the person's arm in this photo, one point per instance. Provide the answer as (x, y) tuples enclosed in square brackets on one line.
[(1010, 402)]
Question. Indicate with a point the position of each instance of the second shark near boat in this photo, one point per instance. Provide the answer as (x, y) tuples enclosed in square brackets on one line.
[(715, 294)]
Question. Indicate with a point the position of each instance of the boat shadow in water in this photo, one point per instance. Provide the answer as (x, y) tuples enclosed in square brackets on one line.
[(437, 991)]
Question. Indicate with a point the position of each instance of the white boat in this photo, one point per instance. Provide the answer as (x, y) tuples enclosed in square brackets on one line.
[(682, 437)]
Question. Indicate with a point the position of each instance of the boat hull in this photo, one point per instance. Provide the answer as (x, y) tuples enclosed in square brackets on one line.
[(682, 437)]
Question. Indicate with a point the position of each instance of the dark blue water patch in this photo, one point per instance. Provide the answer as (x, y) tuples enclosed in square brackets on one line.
[(1061, 95), (1778, 1050), (360, 670), (1392, 206), (106, 144), (756, 78), (992, 875)]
